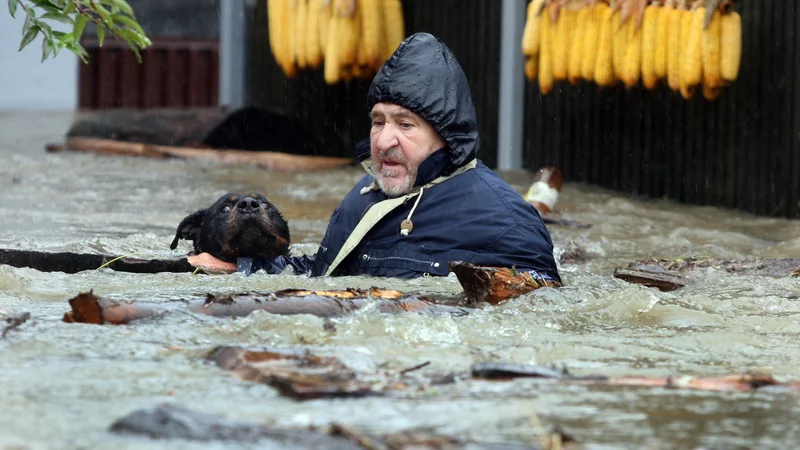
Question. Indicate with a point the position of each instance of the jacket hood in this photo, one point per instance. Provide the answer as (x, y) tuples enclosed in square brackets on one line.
[(424, 76)]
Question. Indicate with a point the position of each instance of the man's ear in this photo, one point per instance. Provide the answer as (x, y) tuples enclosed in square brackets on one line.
[(189, 227)]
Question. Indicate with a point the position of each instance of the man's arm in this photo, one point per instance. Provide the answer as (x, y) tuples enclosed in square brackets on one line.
[(210, 264)]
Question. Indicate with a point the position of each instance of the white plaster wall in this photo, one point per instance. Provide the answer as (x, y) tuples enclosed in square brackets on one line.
[(26, 83)]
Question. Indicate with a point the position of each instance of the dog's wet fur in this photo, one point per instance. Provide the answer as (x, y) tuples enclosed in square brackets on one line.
[(237, 226)]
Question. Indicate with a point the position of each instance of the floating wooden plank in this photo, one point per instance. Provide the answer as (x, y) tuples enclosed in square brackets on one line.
[(492, 284), (277, 161), (68, 262), (298, 375), (664, 282), (738, 382), (668, 275), (87, 308)]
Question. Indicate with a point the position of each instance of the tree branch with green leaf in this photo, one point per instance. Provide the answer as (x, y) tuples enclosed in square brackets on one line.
[(112, 16)]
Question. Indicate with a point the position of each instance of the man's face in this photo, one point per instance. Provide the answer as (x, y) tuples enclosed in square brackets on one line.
[(399, 140)]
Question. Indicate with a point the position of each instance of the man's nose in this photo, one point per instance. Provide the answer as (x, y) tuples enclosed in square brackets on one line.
[(387, 138)]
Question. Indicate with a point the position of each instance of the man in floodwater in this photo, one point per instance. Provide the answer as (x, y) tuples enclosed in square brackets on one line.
[(426, 200)]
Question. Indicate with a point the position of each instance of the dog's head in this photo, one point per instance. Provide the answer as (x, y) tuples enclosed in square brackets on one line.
[(237, 226)]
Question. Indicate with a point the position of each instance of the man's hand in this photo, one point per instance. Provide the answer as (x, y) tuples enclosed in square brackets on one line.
[(211, 265)]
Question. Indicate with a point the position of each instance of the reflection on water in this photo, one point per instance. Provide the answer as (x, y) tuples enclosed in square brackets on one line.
[(63, 384)]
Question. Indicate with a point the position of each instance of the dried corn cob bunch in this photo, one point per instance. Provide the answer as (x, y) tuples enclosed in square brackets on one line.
[(351, 37), (683, 44)]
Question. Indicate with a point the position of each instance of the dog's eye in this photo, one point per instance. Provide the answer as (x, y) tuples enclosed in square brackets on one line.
[(226, 208), (265, 205)]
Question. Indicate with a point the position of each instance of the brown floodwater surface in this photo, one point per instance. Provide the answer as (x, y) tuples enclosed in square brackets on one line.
[(62, 385)]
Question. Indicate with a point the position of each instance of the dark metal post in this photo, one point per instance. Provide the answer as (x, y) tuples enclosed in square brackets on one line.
[(232, 49), (512, 86)]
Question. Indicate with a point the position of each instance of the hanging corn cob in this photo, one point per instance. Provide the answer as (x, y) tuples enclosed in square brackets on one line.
[(351, 37), (684, 44)]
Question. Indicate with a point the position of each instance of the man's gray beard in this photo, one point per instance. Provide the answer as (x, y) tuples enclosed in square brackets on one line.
[(396, 190)]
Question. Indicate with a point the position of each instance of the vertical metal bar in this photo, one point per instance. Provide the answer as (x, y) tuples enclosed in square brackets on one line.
[(794, 145), (512, 84), (232, 39)]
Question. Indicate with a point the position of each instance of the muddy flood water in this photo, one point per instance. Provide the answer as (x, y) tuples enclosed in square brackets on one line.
[(62, 385)]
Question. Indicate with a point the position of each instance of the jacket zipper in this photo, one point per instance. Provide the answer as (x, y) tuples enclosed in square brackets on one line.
[(366, 257)]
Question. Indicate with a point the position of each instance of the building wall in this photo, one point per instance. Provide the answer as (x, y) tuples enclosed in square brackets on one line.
[(26, 83)]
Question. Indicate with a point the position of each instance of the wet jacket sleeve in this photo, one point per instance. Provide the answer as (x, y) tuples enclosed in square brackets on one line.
[(300, 264)]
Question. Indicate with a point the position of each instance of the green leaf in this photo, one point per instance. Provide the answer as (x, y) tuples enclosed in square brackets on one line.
[(58, 3), (104, 14), (29, 36), (124, 7), (80, 25), (101, 35), (131, 39), (59, 17), (47, 48), (130, 23), (70, 7), (46, 30), (29, 30), (12, 6)]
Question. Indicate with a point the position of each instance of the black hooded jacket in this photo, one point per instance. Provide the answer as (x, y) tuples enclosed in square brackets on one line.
[(474, 216)]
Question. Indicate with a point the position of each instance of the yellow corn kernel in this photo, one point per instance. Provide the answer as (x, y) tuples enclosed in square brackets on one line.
[(632, 64), (692, 63), (313, 53), (369, 52), (279, 16), (649, 47), (560, 44), (530, 35), (604, 66), (662, 42), (577, 37), (618, 43), (333, 63), (712, 74), (347, 14), (589, 45), (730, 46), (324, 20), (531, 67), (394, 25), (300, 32), (675, 49)]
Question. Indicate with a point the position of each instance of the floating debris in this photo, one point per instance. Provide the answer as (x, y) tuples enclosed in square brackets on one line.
[(493, 284), (168, 421), (87, 308), (11, 321), (668, 275)]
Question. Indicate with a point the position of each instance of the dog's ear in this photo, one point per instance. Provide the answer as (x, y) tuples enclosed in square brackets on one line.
[(189, 227)]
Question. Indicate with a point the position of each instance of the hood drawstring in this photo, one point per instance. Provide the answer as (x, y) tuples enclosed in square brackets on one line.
[(407, 225)]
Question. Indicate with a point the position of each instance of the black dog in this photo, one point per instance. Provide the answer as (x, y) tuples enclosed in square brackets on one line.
[(236, 226)]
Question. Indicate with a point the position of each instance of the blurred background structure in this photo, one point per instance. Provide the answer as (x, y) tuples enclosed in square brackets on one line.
[(740, 151)]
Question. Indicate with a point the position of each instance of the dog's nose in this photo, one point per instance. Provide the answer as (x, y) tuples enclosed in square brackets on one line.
[(248, 204)]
